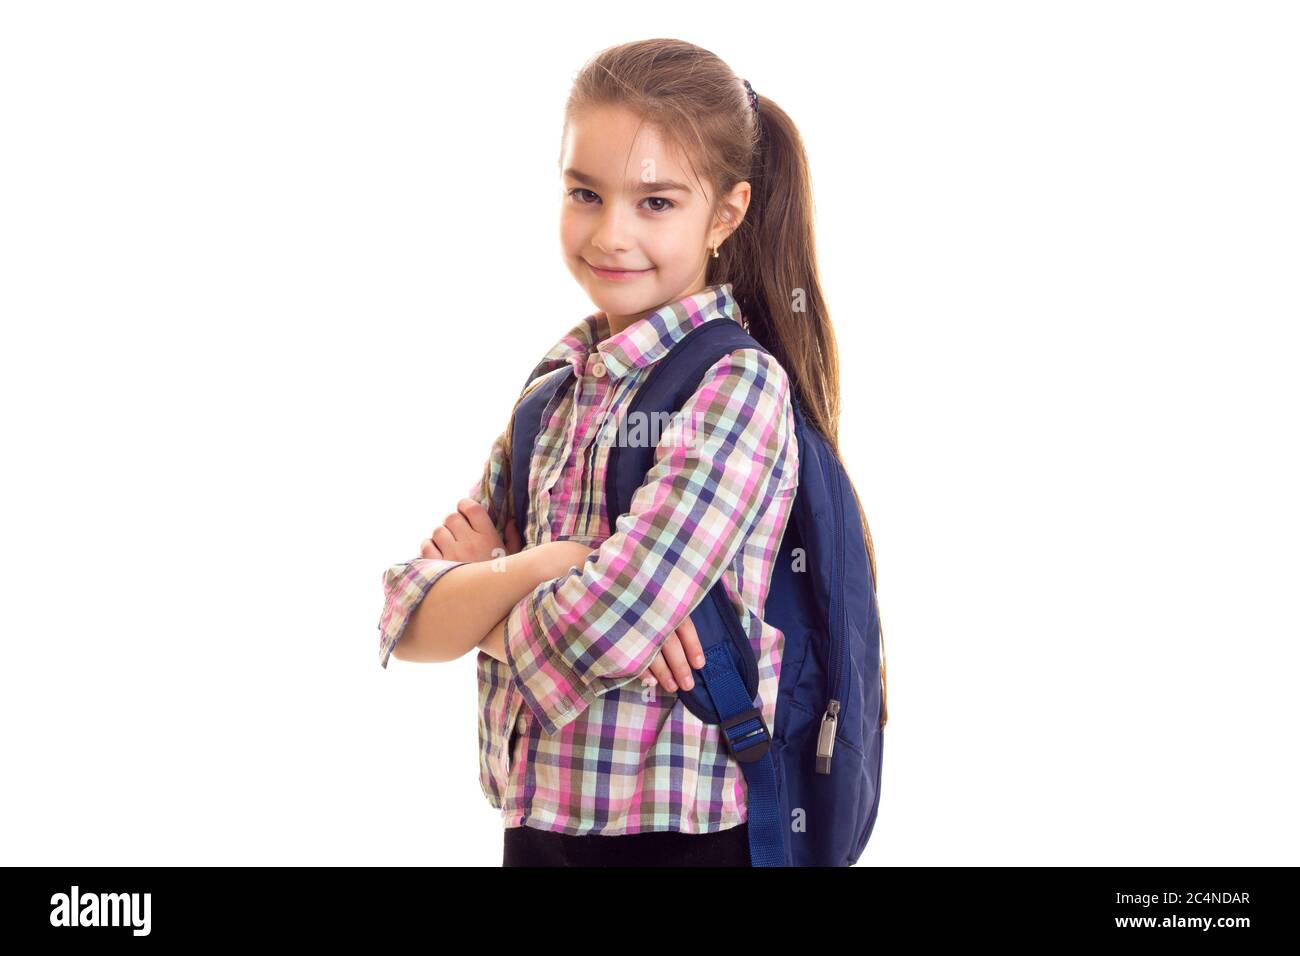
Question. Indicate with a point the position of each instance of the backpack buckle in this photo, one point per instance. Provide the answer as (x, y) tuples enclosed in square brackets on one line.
[(751, 743)]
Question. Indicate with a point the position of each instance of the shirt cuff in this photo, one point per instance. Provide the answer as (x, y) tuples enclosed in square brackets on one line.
[(405, 586), (551, 688)]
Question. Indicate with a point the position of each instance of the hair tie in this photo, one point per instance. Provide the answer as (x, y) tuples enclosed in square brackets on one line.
[(753, 97)]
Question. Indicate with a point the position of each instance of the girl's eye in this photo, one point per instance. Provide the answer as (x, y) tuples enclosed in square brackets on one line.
[(578, 193)]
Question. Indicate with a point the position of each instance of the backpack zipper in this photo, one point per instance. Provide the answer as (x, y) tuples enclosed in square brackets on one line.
[(830, 719)]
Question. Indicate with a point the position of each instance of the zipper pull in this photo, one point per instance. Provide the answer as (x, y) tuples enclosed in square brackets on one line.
[(826, 736)]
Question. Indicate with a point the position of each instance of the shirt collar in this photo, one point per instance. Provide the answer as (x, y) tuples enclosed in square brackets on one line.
[(643, 342)]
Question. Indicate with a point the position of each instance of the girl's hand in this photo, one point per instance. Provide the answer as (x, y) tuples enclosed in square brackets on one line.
[(679, 654), (469, 535)]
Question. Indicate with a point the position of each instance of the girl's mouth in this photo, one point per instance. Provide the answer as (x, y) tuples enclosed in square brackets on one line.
[(617, 275)]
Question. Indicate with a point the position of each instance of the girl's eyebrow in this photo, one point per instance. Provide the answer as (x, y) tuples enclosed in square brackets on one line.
[(663, 185)]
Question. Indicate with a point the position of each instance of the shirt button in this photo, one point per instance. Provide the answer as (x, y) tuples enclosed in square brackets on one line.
[(598, 369), (519, 724)]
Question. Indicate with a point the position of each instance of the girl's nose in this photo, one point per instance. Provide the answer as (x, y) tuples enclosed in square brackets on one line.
[(612, 234)]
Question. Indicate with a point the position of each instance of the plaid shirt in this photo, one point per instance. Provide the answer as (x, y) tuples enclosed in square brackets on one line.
[(569, 739)]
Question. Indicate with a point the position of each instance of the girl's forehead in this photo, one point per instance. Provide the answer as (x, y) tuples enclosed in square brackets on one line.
[(616, 136), (628, 153)]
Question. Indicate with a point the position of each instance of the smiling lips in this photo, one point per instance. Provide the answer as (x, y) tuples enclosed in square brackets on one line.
[(616, 274)]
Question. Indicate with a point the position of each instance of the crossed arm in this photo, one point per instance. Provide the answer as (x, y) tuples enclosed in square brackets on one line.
[(467, 607), (470, 608)]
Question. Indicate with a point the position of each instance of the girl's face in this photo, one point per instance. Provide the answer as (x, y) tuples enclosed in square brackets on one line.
[(629, 204)]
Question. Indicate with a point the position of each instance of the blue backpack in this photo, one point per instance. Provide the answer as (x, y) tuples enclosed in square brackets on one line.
[(813, 779)]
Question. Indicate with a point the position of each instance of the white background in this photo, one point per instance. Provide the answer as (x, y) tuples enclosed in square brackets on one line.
[(272, 274)]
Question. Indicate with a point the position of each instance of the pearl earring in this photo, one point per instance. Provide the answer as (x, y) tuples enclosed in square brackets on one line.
[(715, 252)]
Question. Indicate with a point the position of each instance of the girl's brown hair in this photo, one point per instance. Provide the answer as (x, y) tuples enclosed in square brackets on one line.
[(697, 103)]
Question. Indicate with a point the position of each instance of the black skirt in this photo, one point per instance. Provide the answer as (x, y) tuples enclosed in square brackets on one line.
[(527, 846)]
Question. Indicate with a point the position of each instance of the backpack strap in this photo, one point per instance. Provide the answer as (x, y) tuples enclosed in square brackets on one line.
[(726, 686), (524, 430)]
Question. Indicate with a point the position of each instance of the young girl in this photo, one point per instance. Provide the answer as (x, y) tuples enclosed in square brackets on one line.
[(686, 200)]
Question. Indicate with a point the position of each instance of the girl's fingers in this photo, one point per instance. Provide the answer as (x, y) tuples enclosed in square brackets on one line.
[(457, 525), (442, 538), (672, 665), (676, 657), (662, 674), (690, 640), (477, 516), (430, 550)]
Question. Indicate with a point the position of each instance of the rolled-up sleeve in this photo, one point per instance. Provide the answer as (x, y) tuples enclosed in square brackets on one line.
[(405, 584), (718, 465)]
